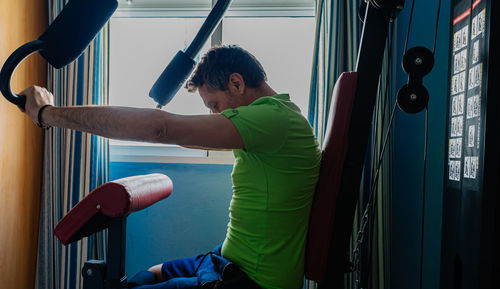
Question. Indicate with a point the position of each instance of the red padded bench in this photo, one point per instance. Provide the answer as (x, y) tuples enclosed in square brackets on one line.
[(108, 207), (324, 208)]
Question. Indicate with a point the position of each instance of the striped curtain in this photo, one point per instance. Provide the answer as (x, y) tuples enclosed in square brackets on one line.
[(338, 31), (74, 164)]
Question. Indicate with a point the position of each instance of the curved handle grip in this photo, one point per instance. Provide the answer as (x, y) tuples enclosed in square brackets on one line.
[(181, 66), (10, 65)]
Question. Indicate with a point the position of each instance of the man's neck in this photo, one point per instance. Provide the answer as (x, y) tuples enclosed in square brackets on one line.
[(262, 91)]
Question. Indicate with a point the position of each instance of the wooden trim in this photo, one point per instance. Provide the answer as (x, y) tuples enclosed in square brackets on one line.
[(21, 148)]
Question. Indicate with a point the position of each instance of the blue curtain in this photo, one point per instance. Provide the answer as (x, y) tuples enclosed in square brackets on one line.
[(74, 164), (338, 31)]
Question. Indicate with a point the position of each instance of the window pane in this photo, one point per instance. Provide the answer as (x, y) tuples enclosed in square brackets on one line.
[(140, 49), (284, 46)]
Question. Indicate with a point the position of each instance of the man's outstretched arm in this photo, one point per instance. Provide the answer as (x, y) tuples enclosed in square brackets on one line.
[(149, 125)]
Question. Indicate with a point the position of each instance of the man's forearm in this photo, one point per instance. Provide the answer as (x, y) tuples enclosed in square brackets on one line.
[(124, 123), (139, 124)]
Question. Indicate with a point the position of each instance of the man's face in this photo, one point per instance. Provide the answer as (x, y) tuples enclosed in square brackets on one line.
[(218, 100)]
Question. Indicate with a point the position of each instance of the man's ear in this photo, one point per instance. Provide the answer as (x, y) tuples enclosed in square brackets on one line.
[(236, 83)]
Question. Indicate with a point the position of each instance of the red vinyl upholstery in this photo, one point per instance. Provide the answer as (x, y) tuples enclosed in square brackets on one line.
[(114, 199), (327, 189)]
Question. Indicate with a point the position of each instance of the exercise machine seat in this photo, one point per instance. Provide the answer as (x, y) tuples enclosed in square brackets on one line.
[(327, 190), (111, 200)]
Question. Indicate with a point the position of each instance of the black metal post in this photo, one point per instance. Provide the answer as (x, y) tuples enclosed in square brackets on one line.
[(115, 272), (213, 19)]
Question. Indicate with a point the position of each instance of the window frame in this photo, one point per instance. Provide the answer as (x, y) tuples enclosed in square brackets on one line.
[(201, 8)]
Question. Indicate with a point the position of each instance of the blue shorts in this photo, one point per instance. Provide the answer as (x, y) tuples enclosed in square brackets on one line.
[(185, 273)]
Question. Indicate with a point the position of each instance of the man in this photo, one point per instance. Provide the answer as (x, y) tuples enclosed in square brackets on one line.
[(274, 176)]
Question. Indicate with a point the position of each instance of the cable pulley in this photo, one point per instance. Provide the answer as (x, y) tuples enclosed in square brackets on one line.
[(413, 97)]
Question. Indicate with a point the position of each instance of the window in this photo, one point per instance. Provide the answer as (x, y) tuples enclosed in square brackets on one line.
[(145, 35)]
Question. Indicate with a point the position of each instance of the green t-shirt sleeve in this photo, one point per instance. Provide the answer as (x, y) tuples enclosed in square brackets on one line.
[(263, 127)]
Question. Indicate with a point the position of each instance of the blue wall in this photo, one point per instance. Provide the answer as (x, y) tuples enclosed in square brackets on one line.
[(407, 155), (191, 221)]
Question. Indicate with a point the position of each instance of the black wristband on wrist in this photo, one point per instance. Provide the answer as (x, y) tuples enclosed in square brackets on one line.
[(40, 116)]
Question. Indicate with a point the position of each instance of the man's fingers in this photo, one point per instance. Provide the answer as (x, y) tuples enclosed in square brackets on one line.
[(47, 95), (27, 91)]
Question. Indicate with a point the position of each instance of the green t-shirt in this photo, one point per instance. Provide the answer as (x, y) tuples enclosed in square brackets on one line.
[(274, 179)]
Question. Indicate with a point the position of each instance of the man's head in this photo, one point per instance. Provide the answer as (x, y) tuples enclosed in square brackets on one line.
[(224, 75)]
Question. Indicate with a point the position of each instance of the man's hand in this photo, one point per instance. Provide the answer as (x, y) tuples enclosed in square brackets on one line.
[(36, 97)]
